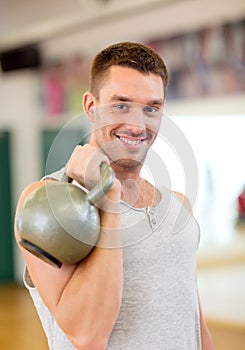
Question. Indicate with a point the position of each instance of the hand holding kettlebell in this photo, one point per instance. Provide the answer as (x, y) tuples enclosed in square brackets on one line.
[(84, 165)]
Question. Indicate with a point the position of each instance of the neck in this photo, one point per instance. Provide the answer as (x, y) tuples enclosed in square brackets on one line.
[(124, 174), (130, 181), (136, 191)]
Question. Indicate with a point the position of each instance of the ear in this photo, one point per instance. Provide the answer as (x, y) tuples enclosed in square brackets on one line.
[(89, 105)]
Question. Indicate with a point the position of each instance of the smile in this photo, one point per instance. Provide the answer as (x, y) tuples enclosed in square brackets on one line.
[(131, 142)]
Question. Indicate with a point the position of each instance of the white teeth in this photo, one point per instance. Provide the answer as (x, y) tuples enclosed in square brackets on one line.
[(130, 142)]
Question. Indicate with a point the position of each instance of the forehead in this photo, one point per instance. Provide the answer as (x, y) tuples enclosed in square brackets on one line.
[(131, 83)]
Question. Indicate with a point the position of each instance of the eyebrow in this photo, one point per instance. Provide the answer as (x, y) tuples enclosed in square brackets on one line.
[(154, 102), (121, 98)]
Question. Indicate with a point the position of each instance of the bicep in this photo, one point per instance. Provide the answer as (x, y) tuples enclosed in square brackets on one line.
[(49, 280)]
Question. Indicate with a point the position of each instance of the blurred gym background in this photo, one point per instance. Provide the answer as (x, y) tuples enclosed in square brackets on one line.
[(45, 51)]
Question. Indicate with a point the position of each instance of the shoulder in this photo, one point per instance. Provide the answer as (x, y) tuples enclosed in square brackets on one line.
[(30, 188), (26, 192), (184, 200), (56, 175)]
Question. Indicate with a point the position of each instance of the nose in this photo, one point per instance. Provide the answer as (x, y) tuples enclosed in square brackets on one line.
[(136, 121)]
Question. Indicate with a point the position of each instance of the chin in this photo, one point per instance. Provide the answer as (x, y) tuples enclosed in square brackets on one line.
[(124, 159), (128, 163)]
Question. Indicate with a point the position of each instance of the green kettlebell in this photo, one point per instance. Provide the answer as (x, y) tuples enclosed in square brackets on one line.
[(59, 222)]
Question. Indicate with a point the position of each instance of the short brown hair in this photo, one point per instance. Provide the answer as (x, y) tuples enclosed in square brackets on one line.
[(126, 54)]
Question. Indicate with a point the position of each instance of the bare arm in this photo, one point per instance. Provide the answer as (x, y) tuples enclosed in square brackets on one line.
[(85, 299), (207, 342)]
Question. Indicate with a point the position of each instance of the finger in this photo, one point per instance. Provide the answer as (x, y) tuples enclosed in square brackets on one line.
[(84, 165)]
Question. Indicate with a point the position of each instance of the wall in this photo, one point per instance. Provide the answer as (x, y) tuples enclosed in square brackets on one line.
[(20, 115)]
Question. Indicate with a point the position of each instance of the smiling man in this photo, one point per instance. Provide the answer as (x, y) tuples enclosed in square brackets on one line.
[(130, 294)]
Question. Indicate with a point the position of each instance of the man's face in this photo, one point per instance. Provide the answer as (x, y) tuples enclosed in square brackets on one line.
[(128, 115)]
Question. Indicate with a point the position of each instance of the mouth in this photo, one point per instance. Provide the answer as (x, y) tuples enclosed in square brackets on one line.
[(131, 142)]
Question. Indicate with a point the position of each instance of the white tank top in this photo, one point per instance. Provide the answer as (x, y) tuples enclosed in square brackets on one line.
[(159, 308)]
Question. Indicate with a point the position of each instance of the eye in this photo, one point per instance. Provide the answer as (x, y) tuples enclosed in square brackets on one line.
[(120, 107), (151, 111)]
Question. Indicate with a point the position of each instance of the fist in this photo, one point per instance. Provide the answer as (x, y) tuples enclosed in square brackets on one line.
[(84, 165)]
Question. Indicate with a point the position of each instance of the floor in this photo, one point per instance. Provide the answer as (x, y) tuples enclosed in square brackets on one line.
[(222, 295), (221, 284), (20, 327)]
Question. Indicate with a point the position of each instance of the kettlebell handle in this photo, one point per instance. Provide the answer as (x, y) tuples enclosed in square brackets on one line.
[(102, 187)]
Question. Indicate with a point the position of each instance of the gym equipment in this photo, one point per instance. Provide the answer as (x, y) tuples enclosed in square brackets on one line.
[(59, 222)]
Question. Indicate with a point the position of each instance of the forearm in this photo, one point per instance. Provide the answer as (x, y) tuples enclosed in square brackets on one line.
[(207, 342), (90, 302)]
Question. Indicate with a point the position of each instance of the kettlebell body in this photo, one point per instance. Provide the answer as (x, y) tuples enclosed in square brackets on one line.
[(59, 222)]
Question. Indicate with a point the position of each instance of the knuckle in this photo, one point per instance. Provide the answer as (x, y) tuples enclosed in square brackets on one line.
[(84, 165)]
